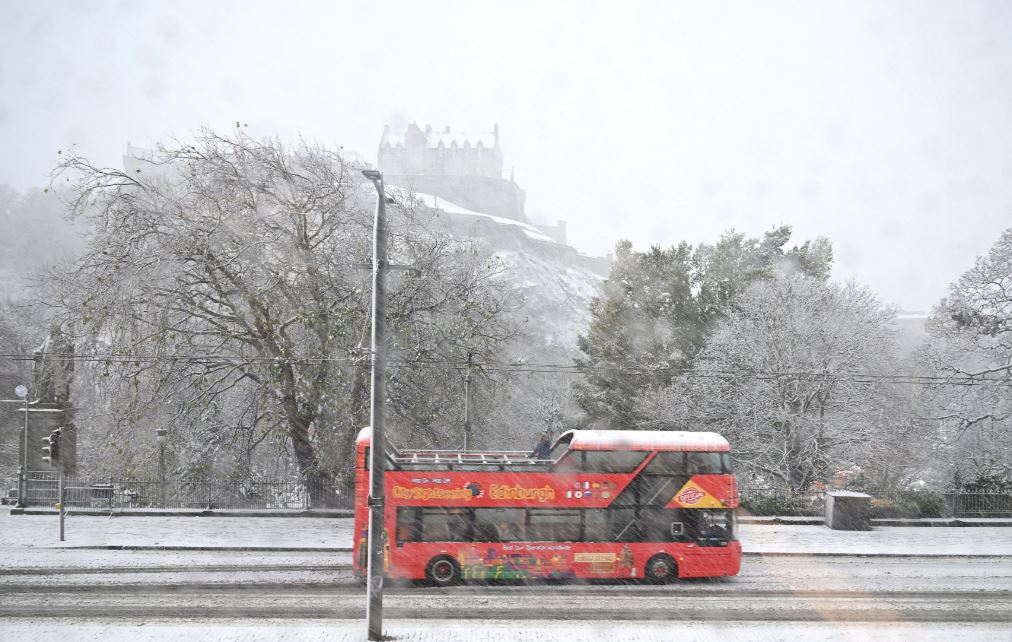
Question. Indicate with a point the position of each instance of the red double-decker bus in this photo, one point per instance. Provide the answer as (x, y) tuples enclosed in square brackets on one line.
[(605, 504)]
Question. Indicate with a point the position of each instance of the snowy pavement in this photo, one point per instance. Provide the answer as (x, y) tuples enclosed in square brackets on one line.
[(330, 534), (469, 631)]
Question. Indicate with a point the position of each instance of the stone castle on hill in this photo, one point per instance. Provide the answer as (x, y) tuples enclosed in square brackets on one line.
[(464, 169)]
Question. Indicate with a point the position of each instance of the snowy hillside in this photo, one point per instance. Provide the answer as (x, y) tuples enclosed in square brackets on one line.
[(557, 295), (557, 282)]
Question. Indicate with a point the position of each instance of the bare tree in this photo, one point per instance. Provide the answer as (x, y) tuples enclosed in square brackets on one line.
[(970, 346), (219, 289), (789, 376)]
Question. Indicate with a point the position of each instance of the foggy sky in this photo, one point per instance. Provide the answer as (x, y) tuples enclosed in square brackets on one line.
[(884, 126)]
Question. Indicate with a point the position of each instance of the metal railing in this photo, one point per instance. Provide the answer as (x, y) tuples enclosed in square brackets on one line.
[(781, 502), (113, 494), (142, 493), (979, 504)]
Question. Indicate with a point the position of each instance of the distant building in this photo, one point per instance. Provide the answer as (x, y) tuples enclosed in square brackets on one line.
[(911, 330), (462, 168), (142, 160), (556, 232)]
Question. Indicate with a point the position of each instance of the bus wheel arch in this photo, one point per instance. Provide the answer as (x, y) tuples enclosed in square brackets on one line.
[(443, 570), (661, 568)]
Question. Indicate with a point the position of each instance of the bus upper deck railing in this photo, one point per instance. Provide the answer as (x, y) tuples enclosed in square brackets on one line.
[(450, 457)]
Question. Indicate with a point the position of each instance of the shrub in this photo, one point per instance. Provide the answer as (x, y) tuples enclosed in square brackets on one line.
[(995, 482), (782, 506), (909, 504)]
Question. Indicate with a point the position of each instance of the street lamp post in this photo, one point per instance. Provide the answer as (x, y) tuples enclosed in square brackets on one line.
[(374, 583), (22, 392), (160, 435)]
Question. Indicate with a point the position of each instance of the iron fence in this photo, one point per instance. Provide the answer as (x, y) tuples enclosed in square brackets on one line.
[(979, 504), (42, 490), (782, 502)]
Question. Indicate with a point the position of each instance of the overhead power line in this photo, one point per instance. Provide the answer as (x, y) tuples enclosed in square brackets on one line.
[(544, 368)]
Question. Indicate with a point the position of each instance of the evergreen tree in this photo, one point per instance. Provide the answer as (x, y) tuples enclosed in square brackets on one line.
[(659, 306)]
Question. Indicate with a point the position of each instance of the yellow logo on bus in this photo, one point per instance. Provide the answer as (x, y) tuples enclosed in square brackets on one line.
[(502, 491), (426, 494), (692, 496)]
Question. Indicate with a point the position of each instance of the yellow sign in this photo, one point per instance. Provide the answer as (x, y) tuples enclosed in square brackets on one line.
[(692, 496), (502, 491), (426, 493)]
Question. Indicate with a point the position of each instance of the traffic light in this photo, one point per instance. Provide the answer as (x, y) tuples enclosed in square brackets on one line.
[(51, 449)]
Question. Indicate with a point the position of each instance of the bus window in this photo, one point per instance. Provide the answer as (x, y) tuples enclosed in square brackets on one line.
[(610, 525), (560, 447), (595, 526), (623, 526), (612, 461), (572, 462), (704, 464), (439, 525), (666, 463), (498, 524), (649, 491), (725, 460), (408, 525), (661, 525), (553, 526)]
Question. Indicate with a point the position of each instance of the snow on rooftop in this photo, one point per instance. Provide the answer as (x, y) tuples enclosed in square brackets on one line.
[(434, 137), (647, 440), (430, 200)]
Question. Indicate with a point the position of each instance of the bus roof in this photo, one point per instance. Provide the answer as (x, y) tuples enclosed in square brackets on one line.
[(677, 440)]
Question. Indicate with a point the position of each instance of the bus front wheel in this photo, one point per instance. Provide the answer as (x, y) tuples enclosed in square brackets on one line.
[(661, 568), (443, 571)]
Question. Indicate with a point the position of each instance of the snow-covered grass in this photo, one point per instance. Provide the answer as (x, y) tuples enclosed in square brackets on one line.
[(336, 533), (888, 540), (214, 532)]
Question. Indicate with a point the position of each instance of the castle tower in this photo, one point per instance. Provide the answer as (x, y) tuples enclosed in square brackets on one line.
[(462, 168)]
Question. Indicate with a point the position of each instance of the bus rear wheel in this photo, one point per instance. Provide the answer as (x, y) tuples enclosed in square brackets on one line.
[(443, 571), (661, 568)]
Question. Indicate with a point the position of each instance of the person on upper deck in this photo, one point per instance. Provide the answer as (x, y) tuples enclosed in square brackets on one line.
[(543, 448)]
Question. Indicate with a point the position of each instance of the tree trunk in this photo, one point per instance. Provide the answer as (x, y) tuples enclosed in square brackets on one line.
[(361, 387), (318, 482)]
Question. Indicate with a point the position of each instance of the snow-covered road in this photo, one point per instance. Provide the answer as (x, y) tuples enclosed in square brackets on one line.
[(840, 598), (799, 582)]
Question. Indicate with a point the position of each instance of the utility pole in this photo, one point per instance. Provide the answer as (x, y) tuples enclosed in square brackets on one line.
[(377, 460), (467, 403)]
